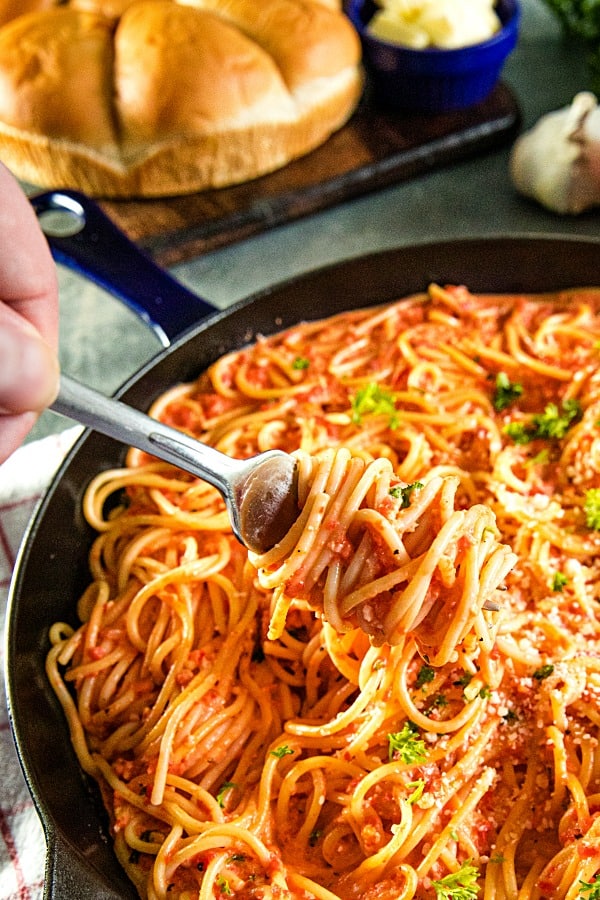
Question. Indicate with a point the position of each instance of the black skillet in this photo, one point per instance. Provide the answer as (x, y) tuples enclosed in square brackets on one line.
[(51, 570)]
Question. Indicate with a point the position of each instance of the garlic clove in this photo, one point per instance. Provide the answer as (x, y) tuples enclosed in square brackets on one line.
[(557, 162)]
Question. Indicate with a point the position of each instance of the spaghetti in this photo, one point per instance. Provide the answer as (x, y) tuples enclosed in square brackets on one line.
[(393, 559), (247, 747)]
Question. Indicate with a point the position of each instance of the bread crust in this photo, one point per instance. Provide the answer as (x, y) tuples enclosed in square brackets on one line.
[(148, 98), (10, 9)]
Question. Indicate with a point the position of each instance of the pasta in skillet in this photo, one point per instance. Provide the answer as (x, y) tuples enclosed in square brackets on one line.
[(402, 741)]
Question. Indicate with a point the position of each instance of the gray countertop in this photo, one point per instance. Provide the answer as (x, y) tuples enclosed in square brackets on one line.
[(102, 343)]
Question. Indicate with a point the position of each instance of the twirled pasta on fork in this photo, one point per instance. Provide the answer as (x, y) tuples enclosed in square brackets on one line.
[(396, 560)]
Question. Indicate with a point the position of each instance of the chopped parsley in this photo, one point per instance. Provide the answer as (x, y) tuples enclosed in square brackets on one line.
[(282, 751), (404, 493), (543, 672), (300, 362), (559, 581), (425, 675), (314, 837), (461, 885), (225, 787), (223, 885), (436, 702), (551, 424), (407, 744), (591, 508), (149, 836), (464, 680), (590, 890), (373, 400), (539, 459), (519, 432), (417, 790), (506, 392)]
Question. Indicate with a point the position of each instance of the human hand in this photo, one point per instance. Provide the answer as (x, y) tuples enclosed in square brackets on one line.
[(28, 317)]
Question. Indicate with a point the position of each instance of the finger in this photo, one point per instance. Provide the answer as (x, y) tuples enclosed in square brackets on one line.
[(28, 366), (13, 431), (28, 279)]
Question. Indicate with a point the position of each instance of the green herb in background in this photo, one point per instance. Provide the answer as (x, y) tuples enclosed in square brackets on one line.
[(580, 19)]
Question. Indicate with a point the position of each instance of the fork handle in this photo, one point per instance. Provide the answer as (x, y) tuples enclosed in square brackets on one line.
[(132, 427)]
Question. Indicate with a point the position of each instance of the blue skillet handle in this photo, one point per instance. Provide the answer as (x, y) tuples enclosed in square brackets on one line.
[(83, 238)]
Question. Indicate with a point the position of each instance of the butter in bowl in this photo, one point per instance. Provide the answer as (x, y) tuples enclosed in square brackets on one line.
[(434, 56)]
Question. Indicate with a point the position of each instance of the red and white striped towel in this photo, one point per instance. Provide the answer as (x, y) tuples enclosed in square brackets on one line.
[(23, 479)]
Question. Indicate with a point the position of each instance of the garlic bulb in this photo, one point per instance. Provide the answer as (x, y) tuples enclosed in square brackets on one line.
[(557, 162)]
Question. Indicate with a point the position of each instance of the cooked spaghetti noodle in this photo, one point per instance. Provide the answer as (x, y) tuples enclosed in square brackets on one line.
[(246, 746)]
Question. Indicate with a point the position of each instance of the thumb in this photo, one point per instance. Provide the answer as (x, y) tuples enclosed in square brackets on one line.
[(28, 366)]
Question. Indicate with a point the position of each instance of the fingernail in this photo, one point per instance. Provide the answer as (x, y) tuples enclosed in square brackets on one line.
[(28, 370)]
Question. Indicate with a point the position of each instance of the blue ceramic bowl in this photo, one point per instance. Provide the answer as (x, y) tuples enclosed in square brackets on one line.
[(434, 80)]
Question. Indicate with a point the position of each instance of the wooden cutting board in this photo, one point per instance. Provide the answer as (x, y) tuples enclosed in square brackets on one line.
[(375, 149)]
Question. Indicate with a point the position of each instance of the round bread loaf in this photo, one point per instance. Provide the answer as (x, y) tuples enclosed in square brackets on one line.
[(142, 98), (10, 9)]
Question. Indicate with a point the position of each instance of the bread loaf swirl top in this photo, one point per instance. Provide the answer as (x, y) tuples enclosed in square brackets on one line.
[(118, 93)]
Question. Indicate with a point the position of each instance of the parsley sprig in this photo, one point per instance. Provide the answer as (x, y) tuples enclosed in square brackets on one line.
[(460, 885), (407, 745)]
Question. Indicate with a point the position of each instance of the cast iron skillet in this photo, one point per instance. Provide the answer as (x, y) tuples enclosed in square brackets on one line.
[(51, 571)]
